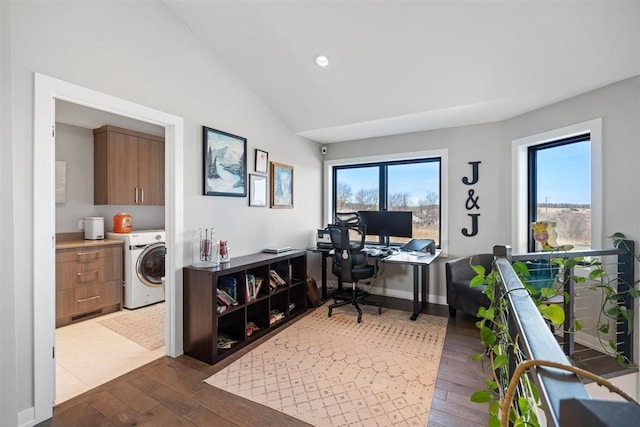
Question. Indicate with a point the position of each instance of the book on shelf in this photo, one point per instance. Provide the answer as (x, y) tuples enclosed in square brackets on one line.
[(225, 298), (275, 315), (225, 342), (221, 308), (275, 279), (252, 286)]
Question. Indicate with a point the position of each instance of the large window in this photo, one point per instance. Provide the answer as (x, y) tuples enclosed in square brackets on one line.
[(407, 185), (560, 188)]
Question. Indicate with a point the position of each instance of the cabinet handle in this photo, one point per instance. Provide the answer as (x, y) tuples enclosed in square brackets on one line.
[(135, 197), (141, 195), (89, 299), (87, 253), (89, 272)]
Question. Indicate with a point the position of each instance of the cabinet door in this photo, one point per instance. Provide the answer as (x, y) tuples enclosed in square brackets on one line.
[(123, 169), (151, 172)]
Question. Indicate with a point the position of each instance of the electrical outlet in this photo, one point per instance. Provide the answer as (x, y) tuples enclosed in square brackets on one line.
[(81, 224)]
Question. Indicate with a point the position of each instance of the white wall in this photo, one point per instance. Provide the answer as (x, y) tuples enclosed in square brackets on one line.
[(75, 146), (141, 52), (8, 354), (619, 107)]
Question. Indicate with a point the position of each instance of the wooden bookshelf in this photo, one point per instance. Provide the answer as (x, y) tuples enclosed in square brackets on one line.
[(203, 325)]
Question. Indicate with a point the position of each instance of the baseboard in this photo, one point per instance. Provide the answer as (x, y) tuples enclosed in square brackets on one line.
[(27, 418)]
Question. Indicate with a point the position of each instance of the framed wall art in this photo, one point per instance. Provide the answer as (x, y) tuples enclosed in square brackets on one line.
[(257, 190), (281, 185), (262, 160), (225, 163)]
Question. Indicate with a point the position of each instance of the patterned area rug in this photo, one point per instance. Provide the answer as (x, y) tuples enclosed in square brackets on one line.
[(144, 326), (336, 372)]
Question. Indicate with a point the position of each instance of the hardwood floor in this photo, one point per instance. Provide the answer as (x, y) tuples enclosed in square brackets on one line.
[(171, 392)]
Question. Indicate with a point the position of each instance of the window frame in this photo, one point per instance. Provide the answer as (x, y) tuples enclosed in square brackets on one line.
[(520, 184), (533, 175), (441, 154)]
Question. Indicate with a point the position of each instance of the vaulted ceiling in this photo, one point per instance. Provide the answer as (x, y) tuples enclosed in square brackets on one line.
[(406, 66)]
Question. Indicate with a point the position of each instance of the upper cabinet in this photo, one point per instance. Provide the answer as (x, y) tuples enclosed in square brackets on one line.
[(128, 167)]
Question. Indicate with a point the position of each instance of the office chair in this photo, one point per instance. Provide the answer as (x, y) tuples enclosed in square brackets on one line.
[(350, 262)]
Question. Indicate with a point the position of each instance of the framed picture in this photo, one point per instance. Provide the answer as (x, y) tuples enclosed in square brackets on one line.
[(281, 185), (257, 190), (225, 163), (262, 158)]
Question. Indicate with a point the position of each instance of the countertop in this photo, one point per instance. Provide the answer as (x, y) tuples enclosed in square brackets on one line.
[(70, 244)]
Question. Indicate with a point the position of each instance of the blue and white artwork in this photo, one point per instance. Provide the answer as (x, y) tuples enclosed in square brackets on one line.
[(225, 163)]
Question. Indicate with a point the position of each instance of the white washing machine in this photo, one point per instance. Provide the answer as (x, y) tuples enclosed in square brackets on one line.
[(144, 256)]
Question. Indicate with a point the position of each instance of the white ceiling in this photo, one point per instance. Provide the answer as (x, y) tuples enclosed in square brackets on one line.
[(407, 66)]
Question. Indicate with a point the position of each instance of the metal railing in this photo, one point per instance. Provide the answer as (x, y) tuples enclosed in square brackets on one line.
[(534, 337)]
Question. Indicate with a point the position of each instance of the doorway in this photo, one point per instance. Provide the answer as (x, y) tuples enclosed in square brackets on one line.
[(47, 91)]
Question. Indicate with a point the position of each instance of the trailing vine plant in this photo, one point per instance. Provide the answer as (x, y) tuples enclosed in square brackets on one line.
[(494, 331)]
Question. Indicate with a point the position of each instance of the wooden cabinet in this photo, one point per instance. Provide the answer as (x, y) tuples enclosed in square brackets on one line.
[(88, 281), (128, 167), (251, 318)]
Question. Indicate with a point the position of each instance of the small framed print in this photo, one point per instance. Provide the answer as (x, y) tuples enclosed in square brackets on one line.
[(257, 190), (262, 160), (281, 185)]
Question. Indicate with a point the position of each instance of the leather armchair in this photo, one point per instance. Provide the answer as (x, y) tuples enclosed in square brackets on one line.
[(460, 296)]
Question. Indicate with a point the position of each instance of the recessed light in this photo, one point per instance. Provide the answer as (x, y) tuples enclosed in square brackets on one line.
[(321, 61)]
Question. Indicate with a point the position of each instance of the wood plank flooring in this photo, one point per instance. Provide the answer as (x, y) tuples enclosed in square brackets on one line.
[(171, 392)]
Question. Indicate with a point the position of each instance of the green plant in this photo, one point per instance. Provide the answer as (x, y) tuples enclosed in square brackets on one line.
[(494, 332)]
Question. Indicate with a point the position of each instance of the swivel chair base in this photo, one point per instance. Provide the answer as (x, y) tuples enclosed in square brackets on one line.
[(355, 300)]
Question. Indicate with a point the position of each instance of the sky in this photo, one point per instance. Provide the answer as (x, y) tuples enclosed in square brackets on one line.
[(564, 174)]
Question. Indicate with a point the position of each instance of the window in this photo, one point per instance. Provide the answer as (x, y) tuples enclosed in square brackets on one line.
[(405, 185), (560, 189), (555, 173)]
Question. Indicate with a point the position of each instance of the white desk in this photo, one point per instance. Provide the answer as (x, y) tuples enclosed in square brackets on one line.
[(420, 265)]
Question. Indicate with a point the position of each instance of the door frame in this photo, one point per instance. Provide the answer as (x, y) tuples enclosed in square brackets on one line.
[(46, 91)]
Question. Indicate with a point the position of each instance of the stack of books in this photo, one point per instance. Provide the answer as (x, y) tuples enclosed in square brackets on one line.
[(275, 315), (225, 341), (275, 280)]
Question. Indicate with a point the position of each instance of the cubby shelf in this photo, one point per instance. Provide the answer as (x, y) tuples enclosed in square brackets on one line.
[(203, 325)]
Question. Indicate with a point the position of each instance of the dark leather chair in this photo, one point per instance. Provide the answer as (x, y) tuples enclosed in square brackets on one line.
[(350, 262), (460, 296)]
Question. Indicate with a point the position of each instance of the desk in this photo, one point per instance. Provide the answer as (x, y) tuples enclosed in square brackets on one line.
[(420, 264)]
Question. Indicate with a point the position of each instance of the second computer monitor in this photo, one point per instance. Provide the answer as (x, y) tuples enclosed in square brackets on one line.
[(388, 223)]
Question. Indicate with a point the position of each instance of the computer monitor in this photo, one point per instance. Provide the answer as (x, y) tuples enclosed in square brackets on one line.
[(388, 223)]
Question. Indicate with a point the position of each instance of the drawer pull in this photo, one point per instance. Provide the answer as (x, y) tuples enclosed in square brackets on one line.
[(87, 253), (89, 299), (89, 272)]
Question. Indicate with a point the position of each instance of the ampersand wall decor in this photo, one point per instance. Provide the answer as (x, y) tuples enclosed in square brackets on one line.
[(472, 200)]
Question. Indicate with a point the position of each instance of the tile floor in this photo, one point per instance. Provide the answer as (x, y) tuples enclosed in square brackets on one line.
[(88, 354)]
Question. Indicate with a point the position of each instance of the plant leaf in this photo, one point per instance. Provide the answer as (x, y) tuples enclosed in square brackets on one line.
[(500, 361), (476, 281), (481, 396), (487, 335)]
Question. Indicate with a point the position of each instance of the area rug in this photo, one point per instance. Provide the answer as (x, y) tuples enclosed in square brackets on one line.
[(335, 372), (144, 326)]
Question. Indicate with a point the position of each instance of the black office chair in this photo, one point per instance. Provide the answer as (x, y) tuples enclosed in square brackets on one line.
[(350, 262)]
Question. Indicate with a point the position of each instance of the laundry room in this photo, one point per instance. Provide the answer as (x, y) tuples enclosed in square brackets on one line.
[(110, 246)]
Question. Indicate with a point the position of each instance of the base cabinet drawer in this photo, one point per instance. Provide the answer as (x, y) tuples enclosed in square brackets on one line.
[(88, 283)]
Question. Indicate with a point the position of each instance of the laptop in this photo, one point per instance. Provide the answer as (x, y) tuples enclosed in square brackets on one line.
[(419, 245)]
